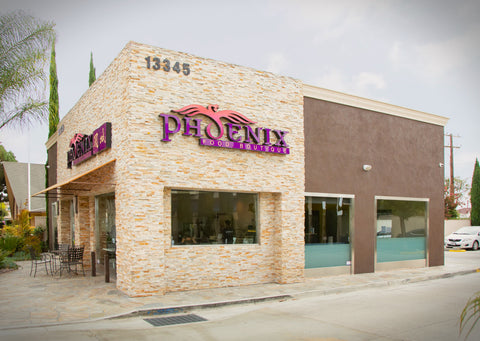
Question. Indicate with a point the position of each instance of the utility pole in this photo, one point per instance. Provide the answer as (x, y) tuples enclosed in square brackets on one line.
[(452, 181)]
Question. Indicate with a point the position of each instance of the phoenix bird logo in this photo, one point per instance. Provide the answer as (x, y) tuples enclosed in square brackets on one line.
[(212, 112), (77, 138)]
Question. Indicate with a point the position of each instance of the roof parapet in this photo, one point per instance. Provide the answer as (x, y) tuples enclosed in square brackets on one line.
[(369, 104)]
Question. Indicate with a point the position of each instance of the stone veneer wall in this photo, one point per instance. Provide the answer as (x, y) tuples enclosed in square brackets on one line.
[(146, 169), (105, 101)]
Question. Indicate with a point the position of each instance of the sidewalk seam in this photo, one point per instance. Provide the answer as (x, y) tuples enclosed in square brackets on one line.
[(254, 300)]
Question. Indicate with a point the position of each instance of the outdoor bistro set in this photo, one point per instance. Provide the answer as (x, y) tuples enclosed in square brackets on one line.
[(66, 258)]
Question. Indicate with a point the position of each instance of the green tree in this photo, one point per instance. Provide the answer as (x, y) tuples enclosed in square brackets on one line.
[(450, 208), (475, 196), (4, 156), (24, 44), (460, 197), (91, 75), (53, 116)]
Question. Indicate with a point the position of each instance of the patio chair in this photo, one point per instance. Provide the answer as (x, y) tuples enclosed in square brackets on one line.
[(44, 259), (76, 257), (56, 259), (63, 247), (63, 261)]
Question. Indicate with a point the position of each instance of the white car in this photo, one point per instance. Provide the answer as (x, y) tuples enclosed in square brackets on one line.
[(467, 237)]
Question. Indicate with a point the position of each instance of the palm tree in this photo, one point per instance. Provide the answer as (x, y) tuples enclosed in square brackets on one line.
[(24, 45), (470, 314)]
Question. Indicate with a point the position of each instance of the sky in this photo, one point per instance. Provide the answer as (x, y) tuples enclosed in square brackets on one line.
[(420, 54)]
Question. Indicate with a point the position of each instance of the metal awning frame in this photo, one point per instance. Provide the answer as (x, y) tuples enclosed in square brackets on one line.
[(72, 181)]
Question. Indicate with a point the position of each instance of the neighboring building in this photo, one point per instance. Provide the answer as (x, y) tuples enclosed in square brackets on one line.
[(23, 180), (464, 212), (196, 173)]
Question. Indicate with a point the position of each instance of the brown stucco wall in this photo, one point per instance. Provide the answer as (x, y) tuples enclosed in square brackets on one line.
[(404, 154)]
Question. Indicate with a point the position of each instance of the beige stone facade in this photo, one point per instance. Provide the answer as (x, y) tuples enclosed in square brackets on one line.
[(141, 170)]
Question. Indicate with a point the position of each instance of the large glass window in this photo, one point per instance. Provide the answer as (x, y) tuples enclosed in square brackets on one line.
[(72, 220), (53, 217), (200, 217), (105, 230), (327, 231), (401, 230)]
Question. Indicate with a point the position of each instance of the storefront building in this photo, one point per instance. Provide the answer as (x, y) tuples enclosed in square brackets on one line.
[(195, 173), (374, 175)]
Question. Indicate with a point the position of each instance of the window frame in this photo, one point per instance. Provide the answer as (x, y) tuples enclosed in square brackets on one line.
[(427, 228), (351, 221), (256, 196)]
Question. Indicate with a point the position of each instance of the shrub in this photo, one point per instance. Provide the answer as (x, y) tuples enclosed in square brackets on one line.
[(20, 255), (9, 229), (9, 244), (38, 231), (21, 235), (3, 255), (6, 263), (32, 241), (23, 228)]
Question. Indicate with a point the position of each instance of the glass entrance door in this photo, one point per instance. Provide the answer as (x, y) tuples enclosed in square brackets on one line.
[(327, 231), (72, 222), (105, 231)]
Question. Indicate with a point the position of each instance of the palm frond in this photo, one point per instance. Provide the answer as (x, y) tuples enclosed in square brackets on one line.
[(25, 115), (24, 45), (21, 33), (470, 314)]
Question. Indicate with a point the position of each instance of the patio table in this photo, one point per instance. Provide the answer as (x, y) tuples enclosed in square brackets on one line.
[(68, 258)]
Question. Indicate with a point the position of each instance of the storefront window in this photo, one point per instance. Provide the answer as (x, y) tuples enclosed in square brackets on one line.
[(401, 230), (53, 217), (200, 217), (327, 231), (105, 230), (72, 221)]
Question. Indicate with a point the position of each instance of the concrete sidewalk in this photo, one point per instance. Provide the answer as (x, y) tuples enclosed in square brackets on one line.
[(41, 301)]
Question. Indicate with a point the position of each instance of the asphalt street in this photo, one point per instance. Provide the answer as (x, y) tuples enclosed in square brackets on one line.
[(428, 310)]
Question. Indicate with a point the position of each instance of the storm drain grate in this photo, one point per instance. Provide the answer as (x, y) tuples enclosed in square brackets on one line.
[(170, 320)]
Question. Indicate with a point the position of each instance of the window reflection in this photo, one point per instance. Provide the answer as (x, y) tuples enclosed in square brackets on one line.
[(401, 219), (401, 230), (327, 220), (200, 217)]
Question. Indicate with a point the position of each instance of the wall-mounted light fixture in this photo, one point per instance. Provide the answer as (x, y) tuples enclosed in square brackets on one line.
[(440, 164), (367, 168)]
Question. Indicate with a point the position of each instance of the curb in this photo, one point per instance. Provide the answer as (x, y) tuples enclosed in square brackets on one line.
[(255, 300), (187, 308), (293, 295), (386, 283)]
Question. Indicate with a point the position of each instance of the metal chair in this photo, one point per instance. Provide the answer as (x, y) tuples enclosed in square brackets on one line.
[(44, 259), (56, 258), (76, 258), (63, 261), (63, 247), (70, 258)]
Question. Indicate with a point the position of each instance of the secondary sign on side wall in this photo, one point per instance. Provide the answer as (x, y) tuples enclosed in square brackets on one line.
[(83, 147)]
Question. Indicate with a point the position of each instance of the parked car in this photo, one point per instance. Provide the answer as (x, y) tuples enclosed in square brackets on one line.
[(467, 237)]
